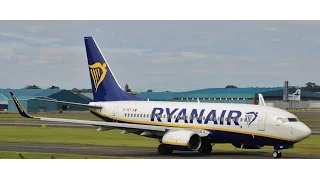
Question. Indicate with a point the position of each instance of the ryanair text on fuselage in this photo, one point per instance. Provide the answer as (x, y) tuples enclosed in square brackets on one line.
[(197, 116)]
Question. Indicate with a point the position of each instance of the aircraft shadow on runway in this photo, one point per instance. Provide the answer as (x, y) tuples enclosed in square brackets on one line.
[(215, 155)]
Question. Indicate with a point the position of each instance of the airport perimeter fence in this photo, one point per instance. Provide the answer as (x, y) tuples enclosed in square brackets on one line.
[(295, 104)]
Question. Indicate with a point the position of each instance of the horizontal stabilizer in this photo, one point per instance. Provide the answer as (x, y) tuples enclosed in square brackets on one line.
[(23, 113), (71, 103)]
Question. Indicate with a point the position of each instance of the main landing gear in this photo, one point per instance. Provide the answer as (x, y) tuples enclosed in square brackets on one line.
[(164, 150), (276, 154), (205, 148)]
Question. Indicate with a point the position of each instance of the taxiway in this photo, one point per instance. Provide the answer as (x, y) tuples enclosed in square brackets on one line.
[(137, 152)]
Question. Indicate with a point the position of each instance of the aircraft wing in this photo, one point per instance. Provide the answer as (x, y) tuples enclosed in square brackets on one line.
[(200, 132)]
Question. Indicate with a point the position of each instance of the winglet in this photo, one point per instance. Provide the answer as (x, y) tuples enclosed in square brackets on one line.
[(261, 100), (19, 106)]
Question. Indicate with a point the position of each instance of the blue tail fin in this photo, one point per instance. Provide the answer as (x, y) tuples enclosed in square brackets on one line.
[(104, 86)]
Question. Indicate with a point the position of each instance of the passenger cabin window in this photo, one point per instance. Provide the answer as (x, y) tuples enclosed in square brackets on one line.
[(144, 115), (125, 114), (147, 115), (131, 115)]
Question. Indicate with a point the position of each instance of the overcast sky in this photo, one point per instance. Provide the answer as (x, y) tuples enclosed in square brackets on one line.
[(162, 55)]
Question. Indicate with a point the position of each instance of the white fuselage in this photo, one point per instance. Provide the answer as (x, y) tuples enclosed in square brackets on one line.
[(254, 120)]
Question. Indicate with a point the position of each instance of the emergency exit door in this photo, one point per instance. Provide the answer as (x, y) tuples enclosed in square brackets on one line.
[(114, 114), (262, 121)]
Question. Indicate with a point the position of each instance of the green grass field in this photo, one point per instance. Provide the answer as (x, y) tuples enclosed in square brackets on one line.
[(33, 155), (72, 136), (309, 146)]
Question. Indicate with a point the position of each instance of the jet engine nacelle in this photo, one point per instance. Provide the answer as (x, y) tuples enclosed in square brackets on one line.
[(247, 146), (182, 138)]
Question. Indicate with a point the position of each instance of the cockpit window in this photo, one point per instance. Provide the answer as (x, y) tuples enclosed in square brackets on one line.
[(283, 119), (293, 119)]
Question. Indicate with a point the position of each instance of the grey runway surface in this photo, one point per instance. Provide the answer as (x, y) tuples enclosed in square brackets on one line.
[(137, 152), (38, 123)]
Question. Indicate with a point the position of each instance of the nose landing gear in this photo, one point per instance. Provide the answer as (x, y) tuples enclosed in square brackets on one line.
[(276, 154)]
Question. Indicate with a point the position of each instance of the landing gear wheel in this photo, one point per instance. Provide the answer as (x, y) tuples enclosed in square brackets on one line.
[(205, 148), (276, 154), (163, 150)]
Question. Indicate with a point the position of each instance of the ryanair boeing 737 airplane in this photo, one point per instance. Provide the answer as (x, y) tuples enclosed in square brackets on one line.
[(182, 126)]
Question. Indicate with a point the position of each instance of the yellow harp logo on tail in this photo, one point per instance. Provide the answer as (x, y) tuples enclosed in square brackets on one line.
[(98, 72)]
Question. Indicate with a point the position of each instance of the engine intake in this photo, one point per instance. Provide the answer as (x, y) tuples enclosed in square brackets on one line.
[(183, 138)]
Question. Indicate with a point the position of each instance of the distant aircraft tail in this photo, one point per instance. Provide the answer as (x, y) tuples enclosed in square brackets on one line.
[(104, 85), (296, 96), (298, 92)]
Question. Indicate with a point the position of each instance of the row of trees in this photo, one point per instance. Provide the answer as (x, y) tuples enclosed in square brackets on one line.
[(38, 87), (75, 90), (310, 86)]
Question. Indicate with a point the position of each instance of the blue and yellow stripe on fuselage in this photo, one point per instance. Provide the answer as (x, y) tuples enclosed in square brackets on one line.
[(219, 135)]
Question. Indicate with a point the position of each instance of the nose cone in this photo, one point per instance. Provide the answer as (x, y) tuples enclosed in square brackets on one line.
[(305, 131), (300, 131)]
